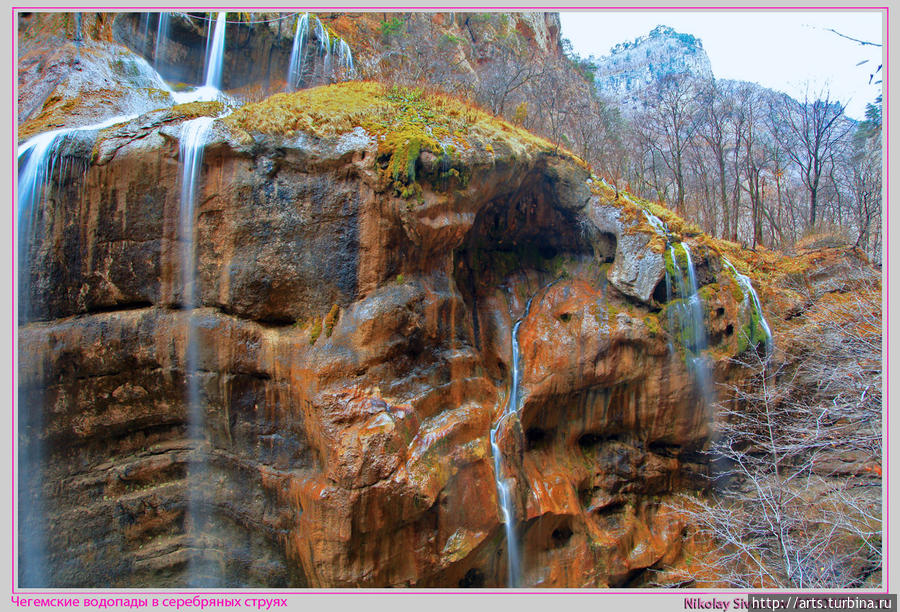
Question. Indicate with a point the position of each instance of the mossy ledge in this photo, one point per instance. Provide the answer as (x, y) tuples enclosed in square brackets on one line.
[(405, 122)]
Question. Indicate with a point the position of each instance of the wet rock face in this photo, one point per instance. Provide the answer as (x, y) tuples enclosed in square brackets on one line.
[(256, 53), (64, 83), (353, 352)]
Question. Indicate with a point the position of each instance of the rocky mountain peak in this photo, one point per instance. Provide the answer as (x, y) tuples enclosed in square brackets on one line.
[(632, 66)]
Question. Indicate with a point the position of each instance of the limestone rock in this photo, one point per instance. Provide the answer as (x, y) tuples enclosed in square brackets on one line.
[(637, 269), (351, 352)]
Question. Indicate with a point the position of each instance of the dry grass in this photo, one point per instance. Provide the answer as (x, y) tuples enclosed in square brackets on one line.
[(405, 122)]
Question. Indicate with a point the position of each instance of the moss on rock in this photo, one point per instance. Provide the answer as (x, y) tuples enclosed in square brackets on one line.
[(405, 121)]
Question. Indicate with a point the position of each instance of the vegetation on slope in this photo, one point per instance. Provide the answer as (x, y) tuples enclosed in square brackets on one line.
[(405, 121)]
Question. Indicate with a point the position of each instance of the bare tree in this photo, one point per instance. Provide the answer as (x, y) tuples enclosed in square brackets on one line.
[(860, 176), (717, 123), (866, 186), (797, 494), (555, 105), (511, 65), (755, 155), (813, 127), (669, 124)]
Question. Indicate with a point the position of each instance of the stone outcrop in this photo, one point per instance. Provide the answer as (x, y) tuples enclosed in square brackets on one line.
[(62, 83), (353, 351)]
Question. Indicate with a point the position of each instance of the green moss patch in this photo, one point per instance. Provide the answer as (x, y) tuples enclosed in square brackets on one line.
[(405, 121), (193, 110), (330, 319)]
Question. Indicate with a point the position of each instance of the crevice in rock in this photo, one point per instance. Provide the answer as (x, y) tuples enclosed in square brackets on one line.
[(474, 579), (590, 440), (522, 236), (561, 536), (121, 306), (664, 449), (537, 438)]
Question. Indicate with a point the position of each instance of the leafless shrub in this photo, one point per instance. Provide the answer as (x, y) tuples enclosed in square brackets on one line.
[(795, 500)]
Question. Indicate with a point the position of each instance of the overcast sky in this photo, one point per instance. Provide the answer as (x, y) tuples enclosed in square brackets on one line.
[(783, 49)]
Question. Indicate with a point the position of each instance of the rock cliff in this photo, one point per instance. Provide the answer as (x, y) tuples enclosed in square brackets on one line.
[(354, 336), (632, 67), (372, 267)]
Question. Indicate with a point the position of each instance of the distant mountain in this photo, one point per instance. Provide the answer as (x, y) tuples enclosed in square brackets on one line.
[(632, 66)]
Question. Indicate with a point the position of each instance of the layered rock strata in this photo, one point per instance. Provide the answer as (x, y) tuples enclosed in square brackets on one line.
[(354, 351)]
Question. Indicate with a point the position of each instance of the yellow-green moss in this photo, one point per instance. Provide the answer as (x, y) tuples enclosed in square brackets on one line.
[(651, 322), (323, 111), (405, 122), (315, 332), (330, 319), (708, 292), (737, 292), (157, 95), (192, 110)]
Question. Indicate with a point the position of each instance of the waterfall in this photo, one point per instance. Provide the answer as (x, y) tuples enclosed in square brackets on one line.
[(193, 140), (687, 316), (39, 160), (324, 47), (335, 52), (504, 493), (145, 30), (344, 55), (657, 224), (322, 36), (162, 31), (296, 66), (750, 293), (215, 53), (36, 160), (504, 490)]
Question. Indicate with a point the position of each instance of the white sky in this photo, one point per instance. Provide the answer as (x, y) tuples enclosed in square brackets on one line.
[(780, 49)]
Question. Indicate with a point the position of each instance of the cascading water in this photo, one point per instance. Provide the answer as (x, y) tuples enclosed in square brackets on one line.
[(750, 293), (36, 160), (193, 140), (145, 28), (657, 224), (215, 53), (686, 315), (506, 507), (39, 162), (194, 134), (322, 36), (344, 54), (337, 58), (504, 488), (324, 47), (297, 49), (162, 31)]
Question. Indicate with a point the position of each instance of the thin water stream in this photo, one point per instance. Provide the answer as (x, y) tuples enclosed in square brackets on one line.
[(504, 484), (162, 32), (194, 134), (301, 34), (215, 53), (686, 316), (750, 293)]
